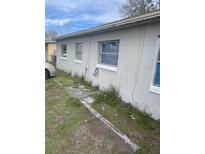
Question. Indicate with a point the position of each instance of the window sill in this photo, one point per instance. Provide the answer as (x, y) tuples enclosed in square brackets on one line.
[(155, 89), (105, 67), (63, 58), (78, 61)]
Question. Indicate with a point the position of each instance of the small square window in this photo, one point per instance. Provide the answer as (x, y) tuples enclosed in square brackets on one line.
[(109, 52)]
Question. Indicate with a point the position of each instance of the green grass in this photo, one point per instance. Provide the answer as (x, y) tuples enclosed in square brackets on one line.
[(137, 125), (69, 126), (110, 96), (68, 80)]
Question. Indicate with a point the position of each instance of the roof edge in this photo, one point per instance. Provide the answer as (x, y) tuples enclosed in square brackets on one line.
[(110, 25), (50, 41)]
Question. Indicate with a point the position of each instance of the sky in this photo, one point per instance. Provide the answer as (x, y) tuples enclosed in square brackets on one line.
[(66, 16)]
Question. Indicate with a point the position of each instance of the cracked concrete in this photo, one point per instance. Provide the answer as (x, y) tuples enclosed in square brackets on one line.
[(81, 93), (86, 97)]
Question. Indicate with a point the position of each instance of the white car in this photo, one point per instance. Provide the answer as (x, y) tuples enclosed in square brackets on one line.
[(49, 70)]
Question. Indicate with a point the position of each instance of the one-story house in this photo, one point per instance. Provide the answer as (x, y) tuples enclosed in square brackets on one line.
[(124, 54), (50, 49)]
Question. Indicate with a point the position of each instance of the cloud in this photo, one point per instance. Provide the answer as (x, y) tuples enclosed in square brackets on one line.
[(80, 5), (104, 18), (98, 10), (87, 13), (57, 22)]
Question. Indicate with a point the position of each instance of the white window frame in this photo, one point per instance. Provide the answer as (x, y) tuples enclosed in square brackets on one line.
[(153, 87), (63, 54), (77, 60), (104, 65), (108, 68)]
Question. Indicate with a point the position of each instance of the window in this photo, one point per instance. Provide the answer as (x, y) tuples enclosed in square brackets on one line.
[(63, 50), (157, 72), (109, 52), (155, 84), (78, 51)]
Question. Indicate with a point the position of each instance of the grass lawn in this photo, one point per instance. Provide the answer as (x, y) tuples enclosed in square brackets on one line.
[(71, 128), (138, 126)]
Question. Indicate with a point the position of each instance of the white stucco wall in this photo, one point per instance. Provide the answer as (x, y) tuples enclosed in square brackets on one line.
[(136, 63)]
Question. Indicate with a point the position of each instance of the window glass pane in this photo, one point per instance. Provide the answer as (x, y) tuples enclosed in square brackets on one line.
[(78, 55), (158, 57), (79, 47), (110, 47), (110, 59), (63, 50), (157, 75), (78, 51), (63, 47)]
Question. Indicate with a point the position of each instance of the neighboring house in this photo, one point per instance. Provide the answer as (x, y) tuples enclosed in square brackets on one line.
[(124, 54), (50, 48)]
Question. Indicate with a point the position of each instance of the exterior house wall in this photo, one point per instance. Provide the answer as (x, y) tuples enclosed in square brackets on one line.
[(51, 47), (136, 63), (46, 51)]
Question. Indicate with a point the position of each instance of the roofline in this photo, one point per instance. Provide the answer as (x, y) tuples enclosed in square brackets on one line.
[(137, 20), (49, 41)]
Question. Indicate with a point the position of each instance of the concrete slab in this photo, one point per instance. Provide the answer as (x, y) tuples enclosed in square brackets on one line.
[(80, 93), (89, 100), (86, 99), (124, 137)]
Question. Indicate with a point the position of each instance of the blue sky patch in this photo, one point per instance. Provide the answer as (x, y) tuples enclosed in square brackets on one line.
[(66, 16)]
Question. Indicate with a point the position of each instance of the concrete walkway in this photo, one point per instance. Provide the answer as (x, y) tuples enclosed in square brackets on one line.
[(86, 97)]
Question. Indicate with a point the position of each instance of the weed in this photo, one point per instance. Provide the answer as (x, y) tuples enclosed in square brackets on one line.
[(129, 119), (82, 79), (66, 129), (143, 119), (109, 96), (69, 74), (84, 82), (76, 76), (72, 102), (96, 88), (67, 78)]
